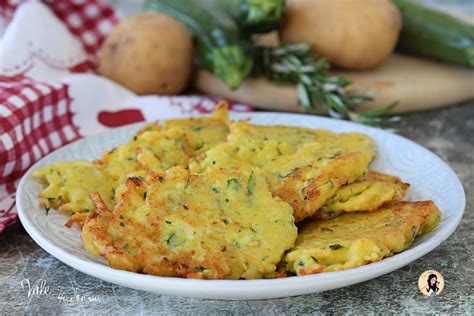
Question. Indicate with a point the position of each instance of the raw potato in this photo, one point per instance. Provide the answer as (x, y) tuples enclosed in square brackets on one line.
[(149, 53), (353, 34)]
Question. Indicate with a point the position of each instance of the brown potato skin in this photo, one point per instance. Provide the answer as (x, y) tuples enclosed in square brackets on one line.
[(352, 34), (149, 53)]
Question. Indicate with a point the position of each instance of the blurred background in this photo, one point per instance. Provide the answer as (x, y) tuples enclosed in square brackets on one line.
[(129, 7), (368, 75)]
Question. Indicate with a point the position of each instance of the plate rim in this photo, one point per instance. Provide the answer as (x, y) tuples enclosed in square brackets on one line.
[(241, 289)]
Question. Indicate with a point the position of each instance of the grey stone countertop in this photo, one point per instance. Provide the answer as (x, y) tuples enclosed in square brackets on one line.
[(448, 132)]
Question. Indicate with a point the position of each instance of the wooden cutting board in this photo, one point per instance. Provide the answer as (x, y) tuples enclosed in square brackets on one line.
[(418, 84)]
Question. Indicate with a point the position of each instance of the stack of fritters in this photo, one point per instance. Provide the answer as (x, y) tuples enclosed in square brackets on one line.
[(209, 198)]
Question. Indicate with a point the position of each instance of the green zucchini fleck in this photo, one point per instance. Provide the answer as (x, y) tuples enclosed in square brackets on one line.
[(126, 247), (172, 240), (233, 184), (251, 185), (294, 171)]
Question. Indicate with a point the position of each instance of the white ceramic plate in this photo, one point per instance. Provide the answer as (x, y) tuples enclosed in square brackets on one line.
[(430, 177)]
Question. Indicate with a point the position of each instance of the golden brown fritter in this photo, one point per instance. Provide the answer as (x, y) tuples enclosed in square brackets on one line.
[(202, 133), (309, 177), (304, 167), (367, 193), (216, 225), (150, 151), (70, 184), (358, 238), (297, 136)]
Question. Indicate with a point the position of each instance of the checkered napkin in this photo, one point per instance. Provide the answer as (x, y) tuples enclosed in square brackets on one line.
[(49, 93)]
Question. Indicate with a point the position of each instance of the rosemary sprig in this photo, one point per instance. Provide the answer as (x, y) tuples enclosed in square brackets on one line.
[(316, 88)]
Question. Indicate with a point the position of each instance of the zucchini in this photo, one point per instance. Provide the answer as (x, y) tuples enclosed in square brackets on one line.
[(430, 33), (222, 49), (233, 184), (255, 16), (251, 185)]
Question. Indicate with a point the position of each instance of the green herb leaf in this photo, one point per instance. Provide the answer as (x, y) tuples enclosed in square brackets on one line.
[(172, 240), (251, 185), (316, 88), (233, 184)]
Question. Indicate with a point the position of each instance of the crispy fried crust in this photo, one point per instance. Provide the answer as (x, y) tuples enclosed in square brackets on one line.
[(358, 238), (218, 225), (367, 193), (306, 184)]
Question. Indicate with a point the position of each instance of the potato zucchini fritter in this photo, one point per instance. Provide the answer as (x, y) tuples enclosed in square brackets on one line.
[(312, 175), (151, 151), (304, 173), (358, 238), (216, 225), (368, 193), (70, 184), (202, 133), (297, 136)]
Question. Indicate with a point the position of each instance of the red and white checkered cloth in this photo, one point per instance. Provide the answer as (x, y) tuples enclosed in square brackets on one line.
[(89, 21), (39, 115), (35, 117)]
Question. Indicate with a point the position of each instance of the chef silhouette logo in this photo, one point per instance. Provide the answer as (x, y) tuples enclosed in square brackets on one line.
[(431, 283)]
